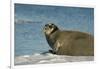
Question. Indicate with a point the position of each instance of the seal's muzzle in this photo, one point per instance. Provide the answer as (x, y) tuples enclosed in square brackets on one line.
[(49, 28)]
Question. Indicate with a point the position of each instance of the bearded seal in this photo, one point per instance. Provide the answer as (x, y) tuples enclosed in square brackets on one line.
[(73, 43)]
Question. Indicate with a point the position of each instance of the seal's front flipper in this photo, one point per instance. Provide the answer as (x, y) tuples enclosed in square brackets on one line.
[(44, 53), (51, 51)]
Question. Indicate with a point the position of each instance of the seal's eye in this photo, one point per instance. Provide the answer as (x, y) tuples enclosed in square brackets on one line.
[(50, 26)]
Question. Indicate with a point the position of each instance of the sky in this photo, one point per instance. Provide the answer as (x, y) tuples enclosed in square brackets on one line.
[(30, 20)]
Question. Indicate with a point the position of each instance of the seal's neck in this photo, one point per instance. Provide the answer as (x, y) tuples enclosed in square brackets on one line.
[(52, 33), (51, 39), (56, 29)]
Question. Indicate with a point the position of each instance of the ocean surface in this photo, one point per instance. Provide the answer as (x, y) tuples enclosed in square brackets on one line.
[(29, 39)]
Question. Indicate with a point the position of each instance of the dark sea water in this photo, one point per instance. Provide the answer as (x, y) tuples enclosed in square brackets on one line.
[(29, 39)]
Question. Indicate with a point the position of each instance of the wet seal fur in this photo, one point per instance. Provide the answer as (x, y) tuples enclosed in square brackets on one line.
[(73, 43)]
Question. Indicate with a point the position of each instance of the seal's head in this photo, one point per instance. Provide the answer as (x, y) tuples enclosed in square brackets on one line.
[(50, 28)]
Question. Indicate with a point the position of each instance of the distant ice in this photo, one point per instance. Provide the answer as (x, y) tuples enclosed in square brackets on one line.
[(49, 58)]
